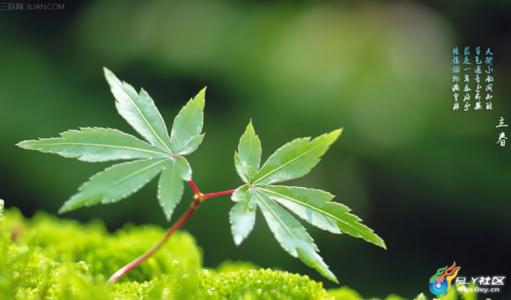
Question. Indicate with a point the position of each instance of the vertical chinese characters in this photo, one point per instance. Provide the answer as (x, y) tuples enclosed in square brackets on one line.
[(501, 140), (466, 78), (488, 79), (466, 88), (477, 79), (455, 78)]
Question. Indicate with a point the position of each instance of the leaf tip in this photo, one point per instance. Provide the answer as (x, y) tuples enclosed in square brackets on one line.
[(237, 240), (110, 76), (107, 72), (327, 273), (383, 245), (168, 215), (23, 144), (378, 241), (330, 276), (335, 134), (69, 205), (250, 125), (63, 209), (72, 203), (251, 130), (201, 96), (334, 279)]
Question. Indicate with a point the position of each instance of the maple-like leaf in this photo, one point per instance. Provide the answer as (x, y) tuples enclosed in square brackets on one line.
[(277, 203), (158, 154)]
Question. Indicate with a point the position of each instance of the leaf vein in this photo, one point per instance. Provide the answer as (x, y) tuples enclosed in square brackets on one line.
[(286, 164), (309, 206), (148, 124), (104, 146)]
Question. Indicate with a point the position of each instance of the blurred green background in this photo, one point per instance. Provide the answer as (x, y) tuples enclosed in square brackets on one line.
[(433, 183)]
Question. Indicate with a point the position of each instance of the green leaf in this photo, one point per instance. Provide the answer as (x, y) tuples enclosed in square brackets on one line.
[(1, 208), (308, 204), (248, 157), (139, 110), (170, 184), (170, 188), (295, 159), (315, 207), (183, 168), (290, 161), (187, 126), (242, 215), (95, 145), (114, 183), (291, 235), (192, 145), (152, 157)]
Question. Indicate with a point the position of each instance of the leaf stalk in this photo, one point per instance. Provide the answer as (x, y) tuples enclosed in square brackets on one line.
[(197, 198)]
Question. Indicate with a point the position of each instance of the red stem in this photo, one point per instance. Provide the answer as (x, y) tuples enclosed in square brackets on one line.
[(198, 198), (217, 194), (186, 215), (194, 187)]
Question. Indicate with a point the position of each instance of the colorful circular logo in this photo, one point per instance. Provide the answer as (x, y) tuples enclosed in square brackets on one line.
[(440, 282)]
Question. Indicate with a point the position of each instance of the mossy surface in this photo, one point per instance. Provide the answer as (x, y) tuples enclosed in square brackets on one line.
[(49, 258)]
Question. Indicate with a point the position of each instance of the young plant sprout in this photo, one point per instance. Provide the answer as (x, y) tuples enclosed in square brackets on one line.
[(165, 155)]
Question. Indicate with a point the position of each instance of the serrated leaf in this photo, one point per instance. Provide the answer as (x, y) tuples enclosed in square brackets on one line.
[(139, 110), (308, 204), (183, 168), (248, 157), (94, 145), (104, 144), (315, 207), (170, 188), (170, 184), (188, 124), (295, 159), (242, 215), (291, 161), (192, 145), (114, 183), (291, 235)]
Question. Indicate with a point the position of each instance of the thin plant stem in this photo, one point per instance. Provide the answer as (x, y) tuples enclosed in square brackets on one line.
[(198, 198), (127, 268), (194, 187), (217, 194)]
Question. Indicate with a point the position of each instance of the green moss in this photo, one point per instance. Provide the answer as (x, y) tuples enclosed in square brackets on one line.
[(57, 259), (259, 284), (49, 258), (344, 293)]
